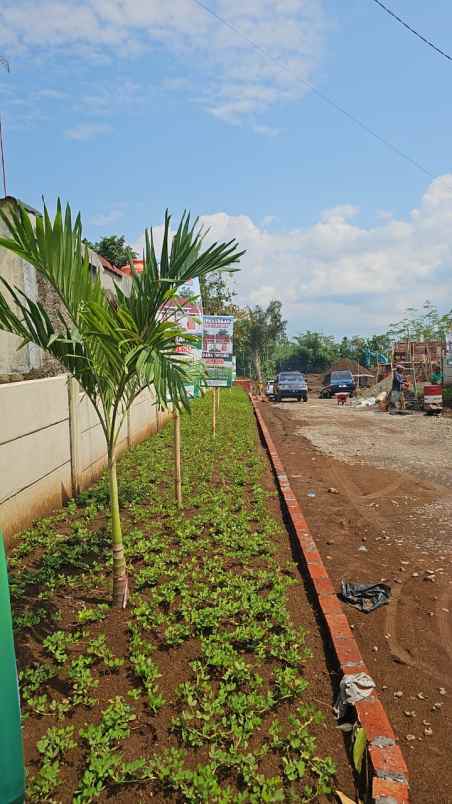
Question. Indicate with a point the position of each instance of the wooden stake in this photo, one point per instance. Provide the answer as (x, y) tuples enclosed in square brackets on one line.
[(218, 399), (214, 412), (177, 459)]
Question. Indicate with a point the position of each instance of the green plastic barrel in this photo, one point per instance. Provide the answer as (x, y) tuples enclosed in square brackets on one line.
[(12, 776)]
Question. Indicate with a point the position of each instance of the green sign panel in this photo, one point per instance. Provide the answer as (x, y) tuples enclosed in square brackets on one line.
[(219, 373), (12, 777)]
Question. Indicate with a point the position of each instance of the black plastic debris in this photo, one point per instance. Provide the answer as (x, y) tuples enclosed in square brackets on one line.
[(365, 597)]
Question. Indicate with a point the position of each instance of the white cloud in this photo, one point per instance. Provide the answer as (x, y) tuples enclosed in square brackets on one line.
[(103, 100), (267, 131), (238, 81), (87, 131), (50, 94), (268, 220), (107, 218), (340, 277)]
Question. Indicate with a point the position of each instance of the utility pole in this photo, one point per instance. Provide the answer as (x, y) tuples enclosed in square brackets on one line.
[(5, 64)]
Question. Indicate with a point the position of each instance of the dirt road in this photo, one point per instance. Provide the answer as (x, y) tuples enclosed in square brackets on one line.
[(382, 511)]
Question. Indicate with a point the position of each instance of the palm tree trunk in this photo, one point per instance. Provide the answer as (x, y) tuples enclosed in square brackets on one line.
[(120, 582), (177, 459)]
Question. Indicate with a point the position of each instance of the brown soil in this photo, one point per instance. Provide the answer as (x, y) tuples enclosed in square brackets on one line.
[(346, 364), (402, 519)]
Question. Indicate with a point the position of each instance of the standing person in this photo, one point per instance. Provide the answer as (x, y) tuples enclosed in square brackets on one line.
[(437, 377), (396, 401)]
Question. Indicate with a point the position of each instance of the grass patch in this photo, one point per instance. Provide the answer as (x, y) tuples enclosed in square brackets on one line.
[(196, 693)]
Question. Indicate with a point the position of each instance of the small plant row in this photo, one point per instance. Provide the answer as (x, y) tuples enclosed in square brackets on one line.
[(206, 663)]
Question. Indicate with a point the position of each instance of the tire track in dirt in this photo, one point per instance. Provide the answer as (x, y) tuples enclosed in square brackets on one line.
[(358, 500), (398, 652), (443, 608)]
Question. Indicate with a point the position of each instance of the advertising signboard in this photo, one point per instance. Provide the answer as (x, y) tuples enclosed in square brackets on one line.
[(217, 348), (219, 372), (447, 362), (449, 343), (187, 308), (218, 335)]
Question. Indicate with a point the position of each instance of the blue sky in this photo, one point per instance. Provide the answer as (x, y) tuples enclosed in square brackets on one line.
[(126, 107)]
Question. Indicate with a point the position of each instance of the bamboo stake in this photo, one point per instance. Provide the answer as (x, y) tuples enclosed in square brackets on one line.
[(177, 459), (218, 399), (214, 412)]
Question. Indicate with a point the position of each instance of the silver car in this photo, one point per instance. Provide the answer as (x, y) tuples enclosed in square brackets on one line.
[(291, 385), (270, 389)]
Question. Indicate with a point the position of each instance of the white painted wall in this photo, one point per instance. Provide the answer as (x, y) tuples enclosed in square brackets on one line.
[(36, 474), (19, 274)]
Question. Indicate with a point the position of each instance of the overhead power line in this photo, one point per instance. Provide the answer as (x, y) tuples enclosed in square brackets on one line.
[(412, 30), (4, 64), (283, 66)]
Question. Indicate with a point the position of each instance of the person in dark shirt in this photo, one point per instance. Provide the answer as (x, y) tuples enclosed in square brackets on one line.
[(437, 376), (398, 381)]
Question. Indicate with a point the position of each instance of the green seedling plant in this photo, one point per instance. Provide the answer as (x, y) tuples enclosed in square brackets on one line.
[(57, 644), (52, 747), (146, 670), (92, 615), (83, 681), (105, 763)]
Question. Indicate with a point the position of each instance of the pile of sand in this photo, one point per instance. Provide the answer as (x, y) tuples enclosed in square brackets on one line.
[(346, 364), (378, 388)]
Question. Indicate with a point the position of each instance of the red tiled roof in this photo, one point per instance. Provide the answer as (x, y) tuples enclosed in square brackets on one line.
[(137, 265), (109, 267)]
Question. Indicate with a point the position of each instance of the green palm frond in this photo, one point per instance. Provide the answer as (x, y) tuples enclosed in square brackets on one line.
[(114, 350), (159, 281), (57, 252)]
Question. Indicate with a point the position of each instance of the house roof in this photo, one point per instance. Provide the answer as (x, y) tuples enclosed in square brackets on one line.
[(109, 267), (10, 199), (138, 266)]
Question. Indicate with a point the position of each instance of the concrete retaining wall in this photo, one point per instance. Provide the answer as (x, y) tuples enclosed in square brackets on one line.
[(52, 445)]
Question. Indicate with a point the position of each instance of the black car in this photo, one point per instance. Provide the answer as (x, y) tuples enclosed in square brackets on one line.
[(290, 385), (338, 382)]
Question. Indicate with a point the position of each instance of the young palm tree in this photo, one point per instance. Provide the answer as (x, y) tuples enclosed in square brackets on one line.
[(114, 347)]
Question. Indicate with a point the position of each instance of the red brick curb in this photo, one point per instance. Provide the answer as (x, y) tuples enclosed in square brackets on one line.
[(389, 773)]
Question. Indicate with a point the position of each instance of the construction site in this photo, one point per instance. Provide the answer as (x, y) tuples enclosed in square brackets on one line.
[(427, 372)]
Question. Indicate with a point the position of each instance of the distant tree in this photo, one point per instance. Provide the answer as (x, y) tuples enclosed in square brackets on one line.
[(426, 325), (261, 330), (115, 249), (344, 347), (288, 356), (311, 351), (366, 351), (217, 295)]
